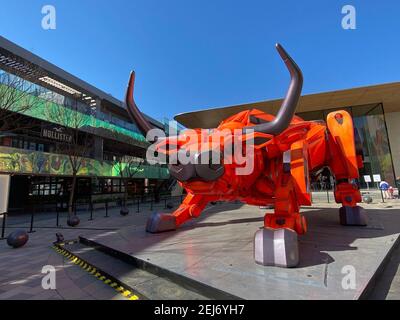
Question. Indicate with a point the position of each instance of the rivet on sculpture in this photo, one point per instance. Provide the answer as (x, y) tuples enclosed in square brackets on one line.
[(286, 149), (17, 238), (73, 221)]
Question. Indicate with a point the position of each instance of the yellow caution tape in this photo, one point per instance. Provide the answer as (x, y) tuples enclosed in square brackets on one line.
[(92, 270)]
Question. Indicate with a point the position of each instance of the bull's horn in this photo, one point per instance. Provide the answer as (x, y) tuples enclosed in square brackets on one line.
[(288, 108), (133, 111)]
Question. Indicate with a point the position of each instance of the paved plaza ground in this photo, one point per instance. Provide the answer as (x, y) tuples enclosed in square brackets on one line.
[(20, 269)]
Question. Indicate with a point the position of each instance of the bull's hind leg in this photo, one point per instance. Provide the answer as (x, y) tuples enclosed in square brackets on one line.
[(350, 213), (190, 208), (344, 163)]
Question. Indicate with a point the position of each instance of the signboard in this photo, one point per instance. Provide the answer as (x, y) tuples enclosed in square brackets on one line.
[(367, 179), (4, 191), (377, 178), (56, 133)]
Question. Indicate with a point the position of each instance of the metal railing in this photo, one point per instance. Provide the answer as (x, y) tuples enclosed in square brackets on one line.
[(136, 202)]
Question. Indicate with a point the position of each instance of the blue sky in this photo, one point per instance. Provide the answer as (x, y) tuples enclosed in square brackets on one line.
[(190, 55)]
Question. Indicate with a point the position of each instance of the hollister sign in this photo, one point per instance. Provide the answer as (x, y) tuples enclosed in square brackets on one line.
[(56, 133)]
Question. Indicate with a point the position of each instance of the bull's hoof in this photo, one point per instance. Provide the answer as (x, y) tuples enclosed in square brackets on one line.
[(160, 222), (276, 247), (353, 216)]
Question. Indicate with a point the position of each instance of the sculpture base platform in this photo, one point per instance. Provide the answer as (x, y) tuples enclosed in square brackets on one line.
[(217, 250)]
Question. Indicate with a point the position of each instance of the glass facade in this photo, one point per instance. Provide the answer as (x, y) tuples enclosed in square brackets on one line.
[(369, 122), (97, 117)]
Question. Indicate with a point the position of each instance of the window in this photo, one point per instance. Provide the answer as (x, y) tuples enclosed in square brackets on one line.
[(101, 185), (32, 146), (46, 186), (370, 125)]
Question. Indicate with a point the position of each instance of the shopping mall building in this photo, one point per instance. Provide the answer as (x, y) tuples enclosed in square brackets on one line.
[(375, 110), (31, 148)]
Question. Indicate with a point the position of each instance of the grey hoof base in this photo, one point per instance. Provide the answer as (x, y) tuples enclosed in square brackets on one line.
[(160, 222), (276, 247), (353, 216)]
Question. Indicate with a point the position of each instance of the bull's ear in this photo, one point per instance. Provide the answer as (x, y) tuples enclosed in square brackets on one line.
[(258, 139)]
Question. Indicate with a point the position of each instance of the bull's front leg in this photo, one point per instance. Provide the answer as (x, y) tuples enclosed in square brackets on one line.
[(190, 208), (276, 243)]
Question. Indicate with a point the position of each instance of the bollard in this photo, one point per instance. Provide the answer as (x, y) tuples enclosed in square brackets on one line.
[(3, 227), (32, 219), (151, 203), (106, 216), (138, 205), (327, 194), (58, 216), (165, 203), (383, 200), (91, 210)]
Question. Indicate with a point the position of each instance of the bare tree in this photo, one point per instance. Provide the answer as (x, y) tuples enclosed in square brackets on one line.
[(78, 140), (128, 167), (17, 96)]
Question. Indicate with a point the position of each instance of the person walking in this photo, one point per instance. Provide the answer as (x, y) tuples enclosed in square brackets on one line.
[(384, 186)]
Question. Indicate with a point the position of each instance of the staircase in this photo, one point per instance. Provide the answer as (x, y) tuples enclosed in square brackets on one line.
[(137, 278)]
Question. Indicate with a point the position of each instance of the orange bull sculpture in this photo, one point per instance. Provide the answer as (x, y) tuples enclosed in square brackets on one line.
[(286, 149)]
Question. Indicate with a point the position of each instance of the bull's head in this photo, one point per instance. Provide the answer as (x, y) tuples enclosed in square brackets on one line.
[(196, 171)]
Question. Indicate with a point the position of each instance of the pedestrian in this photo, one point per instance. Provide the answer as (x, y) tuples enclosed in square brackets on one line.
[(384, 186), (391, 192)]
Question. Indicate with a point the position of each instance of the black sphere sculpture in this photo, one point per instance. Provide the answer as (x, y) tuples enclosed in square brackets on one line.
[(73, 221), (17, 238), (124, 211), (367, 199), (170, 205)]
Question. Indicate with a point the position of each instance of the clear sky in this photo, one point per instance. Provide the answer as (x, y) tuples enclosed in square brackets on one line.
[(191, 54)]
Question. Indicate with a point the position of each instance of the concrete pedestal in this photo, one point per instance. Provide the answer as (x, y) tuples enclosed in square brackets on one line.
[(217, 250)]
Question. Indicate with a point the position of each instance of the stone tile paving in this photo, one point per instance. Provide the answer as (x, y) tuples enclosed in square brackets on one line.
[(20, 269)]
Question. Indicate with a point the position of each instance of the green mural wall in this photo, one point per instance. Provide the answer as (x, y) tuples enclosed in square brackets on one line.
[(33, 162)]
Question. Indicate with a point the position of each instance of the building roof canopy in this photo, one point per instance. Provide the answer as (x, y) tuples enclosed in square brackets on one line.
[(387, 94)]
